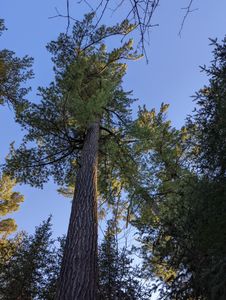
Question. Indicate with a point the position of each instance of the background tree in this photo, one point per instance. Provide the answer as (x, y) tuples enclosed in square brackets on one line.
[(33, 269), (13, 72), (209, 129), (185, 240), (119, 278)]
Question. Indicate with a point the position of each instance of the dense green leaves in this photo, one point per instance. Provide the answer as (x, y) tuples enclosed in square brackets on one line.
[(184, 240), (209, 118), (87, 87)]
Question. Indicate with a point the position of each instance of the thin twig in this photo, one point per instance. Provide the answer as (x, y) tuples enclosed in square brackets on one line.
[(188, 11)]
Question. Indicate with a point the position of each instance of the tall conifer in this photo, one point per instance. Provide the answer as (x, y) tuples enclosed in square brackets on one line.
[(81, 131)]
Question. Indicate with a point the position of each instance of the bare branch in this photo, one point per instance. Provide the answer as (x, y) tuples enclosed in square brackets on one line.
[(188, 11), (116, 114), (139, 11), (102, 12), (67, 16)]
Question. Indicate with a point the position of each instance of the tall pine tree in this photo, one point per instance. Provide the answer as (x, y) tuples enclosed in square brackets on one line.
[(81, 131)]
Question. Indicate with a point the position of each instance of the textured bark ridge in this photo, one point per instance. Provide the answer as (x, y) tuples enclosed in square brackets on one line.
[(78, 278)]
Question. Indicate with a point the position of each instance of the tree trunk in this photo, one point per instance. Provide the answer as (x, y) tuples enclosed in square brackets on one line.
[(78, 278)]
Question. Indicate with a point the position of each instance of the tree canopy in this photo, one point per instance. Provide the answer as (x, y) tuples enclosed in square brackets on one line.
[(14, 71), (87, 87), (184, 242)]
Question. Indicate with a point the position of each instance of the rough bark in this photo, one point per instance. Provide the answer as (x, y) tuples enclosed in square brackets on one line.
[(78, 278)]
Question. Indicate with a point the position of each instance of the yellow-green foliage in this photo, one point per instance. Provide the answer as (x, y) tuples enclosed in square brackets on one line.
[(163, 270), (9, 202), (92, 81), (8, 248)]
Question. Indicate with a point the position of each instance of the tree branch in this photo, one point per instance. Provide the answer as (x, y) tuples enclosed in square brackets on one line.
[(188, 11)]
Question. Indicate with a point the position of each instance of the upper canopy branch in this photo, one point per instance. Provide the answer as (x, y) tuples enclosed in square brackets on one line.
[(140, 12), (188, 11)]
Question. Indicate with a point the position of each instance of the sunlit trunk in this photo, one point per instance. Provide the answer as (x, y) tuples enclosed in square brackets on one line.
[(78, 278)]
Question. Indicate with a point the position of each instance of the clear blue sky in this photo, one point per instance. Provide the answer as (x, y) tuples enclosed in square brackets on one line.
[(171, 76)]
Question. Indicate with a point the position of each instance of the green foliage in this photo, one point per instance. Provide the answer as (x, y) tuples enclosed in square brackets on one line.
[(13, 72), (9, 202), (160, 150), (183, 242), (118, 277), (87, 88), (184, 237), (7, 249), (209, 119), (32, 270)]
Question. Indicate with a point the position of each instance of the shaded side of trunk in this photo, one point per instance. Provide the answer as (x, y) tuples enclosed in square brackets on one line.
[(78, 278)]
